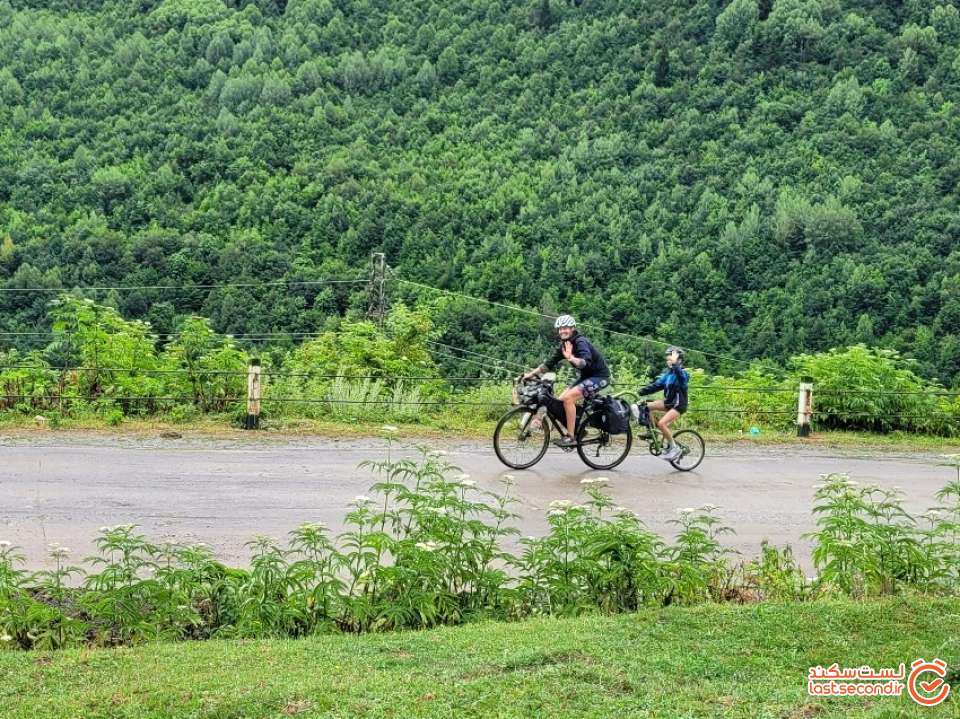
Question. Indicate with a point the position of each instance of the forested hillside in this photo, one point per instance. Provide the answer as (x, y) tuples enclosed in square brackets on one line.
[(757, 178)]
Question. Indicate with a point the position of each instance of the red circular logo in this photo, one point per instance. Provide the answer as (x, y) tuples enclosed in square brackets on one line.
[(931, 690)]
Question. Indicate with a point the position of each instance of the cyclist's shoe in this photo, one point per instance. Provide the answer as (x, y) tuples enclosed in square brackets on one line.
[(671, 454), (565, 442)]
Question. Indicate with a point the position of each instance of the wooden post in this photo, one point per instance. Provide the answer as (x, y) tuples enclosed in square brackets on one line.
[(253, 395), (805, 406)]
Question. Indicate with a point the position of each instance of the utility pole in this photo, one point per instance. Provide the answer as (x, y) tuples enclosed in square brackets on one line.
[(378, 295)]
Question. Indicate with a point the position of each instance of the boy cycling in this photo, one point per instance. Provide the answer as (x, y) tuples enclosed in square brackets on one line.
[(593, 373), (674, 382)]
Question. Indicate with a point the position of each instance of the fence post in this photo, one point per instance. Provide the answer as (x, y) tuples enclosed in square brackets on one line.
[(253, 395), (805, 406)]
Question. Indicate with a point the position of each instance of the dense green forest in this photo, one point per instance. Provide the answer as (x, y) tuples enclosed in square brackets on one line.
[(758, 178)]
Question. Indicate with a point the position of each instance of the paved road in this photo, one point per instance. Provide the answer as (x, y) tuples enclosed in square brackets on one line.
[(63, 487)]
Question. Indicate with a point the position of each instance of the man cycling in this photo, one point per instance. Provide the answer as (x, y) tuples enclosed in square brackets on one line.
[(674, 382), (593, 373)]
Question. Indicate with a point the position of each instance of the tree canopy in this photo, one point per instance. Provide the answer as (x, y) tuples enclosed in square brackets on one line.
[(755, 178)]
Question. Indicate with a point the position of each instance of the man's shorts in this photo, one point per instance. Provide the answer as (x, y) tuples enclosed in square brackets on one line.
[(590, 388)]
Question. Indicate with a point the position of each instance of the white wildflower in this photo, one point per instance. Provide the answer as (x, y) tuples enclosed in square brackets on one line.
[(561, 504), (438, 453), (362, 499), (390, 429), (556, 512), (709, 507), (686, 510), (588, 481), (59, 552), (508, 479), (427, 546), (5, 544), (6, 638)]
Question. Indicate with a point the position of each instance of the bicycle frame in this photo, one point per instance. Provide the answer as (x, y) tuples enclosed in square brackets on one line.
[(653, 433), (557, 415), (555, 407)]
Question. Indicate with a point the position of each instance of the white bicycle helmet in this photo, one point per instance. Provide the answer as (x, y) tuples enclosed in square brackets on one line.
[(564, 321)]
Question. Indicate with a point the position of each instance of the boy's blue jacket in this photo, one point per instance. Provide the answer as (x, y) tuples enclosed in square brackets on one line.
[(673, 382)]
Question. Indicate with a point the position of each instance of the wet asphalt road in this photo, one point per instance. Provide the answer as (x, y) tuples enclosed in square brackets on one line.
[(63, 487)]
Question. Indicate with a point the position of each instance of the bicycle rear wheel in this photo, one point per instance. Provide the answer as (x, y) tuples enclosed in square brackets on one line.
[(599, 449), (521, 438), (692, 450)]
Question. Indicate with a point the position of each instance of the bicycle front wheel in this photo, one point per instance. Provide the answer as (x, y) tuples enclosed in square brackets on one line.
[(599, 449), (692, 450), (521, 438)]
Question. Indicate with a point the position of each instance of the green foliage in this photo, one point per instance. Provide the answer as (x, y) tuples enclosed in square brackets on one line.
[(875, 389), (748, 178), (427, 549), (777, 576), (117, 368), (867, 544), (212, 367)]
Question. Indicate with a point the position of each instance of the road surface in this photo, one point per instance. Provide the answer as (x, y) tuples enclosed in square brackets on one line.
[(61, 487)]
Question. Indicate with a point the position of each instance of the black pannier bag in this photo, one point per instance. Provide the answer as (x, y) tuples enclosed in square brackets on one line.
[(616, 416)]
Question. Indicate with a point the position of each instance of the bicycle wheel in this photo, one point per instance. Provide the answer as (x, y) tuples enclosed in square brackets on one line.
[(599, 449), (692, 450), (520, 439)]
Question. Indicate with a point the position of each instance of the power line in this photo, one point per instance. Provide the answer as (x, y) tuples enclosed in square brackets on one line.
[(265, 373), (441, 353), (476, 354), (593, 325)]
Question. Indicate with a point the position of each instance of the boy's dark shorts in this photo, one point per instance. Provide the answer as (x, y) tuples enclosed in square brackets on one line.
[(591, 387)]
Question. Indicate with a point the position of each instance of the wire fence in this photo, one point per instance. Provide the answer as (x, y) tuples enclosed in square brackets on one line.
[(478, 379)]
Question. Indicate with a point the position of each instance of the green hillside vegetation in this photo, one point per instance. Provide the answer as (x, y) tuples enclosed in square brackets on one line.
[(759, 178)]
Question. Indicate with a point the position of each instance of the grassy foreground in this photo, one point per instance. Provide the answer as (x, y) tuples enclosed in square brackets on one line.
[(707, 661)]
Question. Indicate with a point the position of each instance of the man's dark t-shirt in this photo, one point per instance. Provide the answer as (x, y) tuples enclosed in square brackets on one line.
[(596, 365)]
